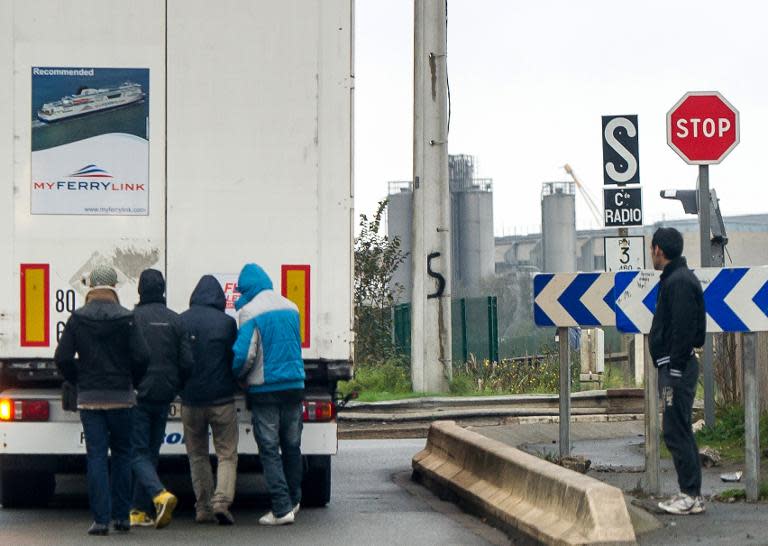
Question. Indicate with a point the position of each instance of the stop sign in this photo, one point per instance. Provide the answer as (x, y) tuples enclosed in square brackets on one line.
[(703, 127)]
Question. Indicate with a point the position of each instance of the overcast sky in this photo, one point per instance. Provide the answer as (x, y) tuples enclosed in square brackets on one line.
[(531, 80)]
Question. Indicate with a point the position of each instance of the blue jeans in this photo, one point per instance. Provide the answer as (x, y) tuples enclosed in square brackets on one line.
[(109, 495), (277, 427), (148, 434)]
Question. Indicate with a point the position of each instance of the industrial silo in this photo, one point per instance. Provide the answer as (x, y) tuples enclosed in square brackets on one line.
[(472, 219), (399, 220), (558, 226), (473, 233)]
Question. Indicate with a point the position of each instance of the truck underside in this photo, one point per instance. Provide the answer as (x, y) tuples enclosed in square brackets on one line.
[(33, 452)]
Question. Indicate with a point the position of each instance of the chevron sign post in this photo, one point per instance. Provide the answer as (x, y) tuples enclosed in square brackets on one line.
[(736, 299), (568, 300), (573, 299)]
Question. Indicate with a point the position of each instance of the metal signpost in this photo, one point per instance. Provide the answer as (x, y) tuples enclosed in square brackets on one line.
[(621, 158), (736, 300), (567, 300), (623, 207), (624, 253), (702, 128), (621, 166)]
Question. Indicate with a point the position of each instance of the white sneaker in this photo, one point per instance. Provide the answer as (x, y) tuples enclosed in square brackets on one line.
[(270, 519), (698, 506), (681, 504), (296, 509)]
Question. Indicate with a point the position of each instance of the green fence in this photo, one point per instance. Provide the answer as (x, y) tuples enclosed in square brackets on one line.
[(475, 326)]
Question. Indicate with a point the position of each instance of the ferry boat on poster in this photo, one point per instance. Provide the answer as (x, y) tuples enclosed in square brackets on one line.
[(89, 100)]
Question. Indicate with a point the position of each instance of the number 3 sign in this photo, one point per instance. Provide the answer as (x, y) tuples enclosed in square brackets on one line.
[(624, 253)]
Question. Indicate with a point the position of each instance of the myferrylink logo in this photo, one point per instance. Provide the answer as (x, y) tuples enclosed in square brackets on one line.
[(84, 181), (90, 171)]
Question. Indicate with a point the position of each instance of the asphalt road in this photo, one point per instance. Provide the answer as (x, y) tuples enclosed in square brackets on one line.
[(373, 502)]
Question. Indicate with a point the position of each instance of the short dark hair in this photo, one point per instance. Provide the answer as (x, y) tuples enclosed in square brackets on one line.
[(670, 241)]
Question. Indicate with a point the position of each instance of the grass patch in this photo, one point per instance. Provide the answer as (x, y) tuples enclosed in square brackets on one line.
[(389, 380), (727, 436), (536, 376), (614, 377), (738, 494), (381, 396)]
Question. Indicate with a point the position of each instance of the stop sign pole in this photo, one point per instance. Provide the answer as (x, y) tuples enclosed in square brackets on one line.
[(702, 128)]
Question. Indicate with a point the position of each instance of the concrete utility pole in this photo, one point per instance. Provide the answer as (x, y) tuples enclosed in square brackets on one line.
[(706, 261), (431, 241)]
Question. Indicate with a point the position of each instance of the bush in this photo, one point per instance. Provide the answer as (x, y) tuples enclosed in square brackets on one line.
[(377, 258), (537, 375), (462, 384), (389, 377)]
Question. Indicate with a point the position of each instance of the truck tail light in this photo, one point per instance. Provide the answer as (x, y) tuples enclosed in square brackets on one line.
[(24, 410), (316, 411)]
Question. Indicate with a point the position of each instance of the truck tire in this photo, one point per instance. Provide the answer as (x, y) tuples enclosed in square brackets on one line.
[(25, 489), (316, 486)]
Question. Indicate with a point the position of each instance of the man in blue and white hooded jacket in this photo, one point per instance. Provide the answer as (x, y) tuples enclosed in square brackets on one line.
[(268, 359)]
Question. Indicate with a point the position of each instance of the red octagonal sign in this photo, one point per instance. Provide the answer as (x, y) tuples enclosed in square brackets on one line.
[(703, 127)]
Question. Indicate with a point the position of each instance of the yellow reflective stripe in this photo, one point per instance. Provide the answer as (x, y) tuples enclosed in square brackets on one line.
[(296, 291), (34, 312), (295, 281)]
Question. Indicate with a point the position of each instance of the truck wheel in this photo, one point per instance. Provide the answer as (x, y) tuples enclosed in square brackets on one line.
[(316, 486), (20, 489)]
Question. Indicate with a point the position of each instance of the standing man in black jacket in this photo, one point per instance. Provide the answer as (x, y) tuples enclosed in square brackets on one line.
[(679, 326), (170, 363), (208, 400), (112, 359)]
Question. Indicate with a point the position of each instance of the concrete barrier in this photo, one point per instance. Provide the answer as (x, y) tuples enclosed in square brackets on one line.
[(529, 495)]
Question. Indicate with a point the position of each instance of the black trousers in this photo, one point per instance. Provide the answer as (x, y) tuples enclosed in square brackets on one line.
[(677, 401)]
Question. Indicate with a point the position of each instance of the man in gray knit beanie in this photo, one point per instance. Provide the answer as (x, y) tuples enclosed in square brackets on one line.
[(103, 275), (112, 359), (102, 282)]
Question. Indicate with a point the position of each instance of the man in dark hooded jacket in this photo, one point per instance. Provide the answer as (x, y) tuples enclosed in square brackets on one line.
[(679, 326), (208, 399), (112, 359), (170, 363)]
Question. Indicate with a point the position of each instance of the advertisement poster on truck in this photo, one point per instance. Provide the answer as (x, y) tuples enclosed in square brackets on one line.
[(90, 141), (228, 282)]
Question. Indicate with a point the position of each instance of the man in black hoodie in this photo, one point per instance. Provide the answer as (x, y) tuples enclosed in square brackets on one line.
[(679, 325), (208, 400), (170, 363), (112, 358)]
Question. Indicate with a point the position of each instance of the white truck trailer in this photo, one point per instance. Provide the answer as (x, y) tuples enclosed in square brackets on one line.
[(238, 149)]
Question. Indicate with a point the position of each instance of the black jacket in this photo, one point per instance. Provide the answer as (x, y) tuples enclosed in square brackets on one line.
[(212, 333), (171, 359), (112, 352), (680, 322)]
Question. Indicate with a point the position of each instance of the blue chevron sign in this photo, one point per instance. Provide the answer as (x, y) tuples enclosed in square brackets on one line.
[(573, 299), (736, 299)]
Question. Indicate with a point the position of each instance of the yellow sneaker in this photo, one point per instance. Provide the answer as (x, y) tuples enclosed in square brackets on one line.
[(165, 503), (141, 519)]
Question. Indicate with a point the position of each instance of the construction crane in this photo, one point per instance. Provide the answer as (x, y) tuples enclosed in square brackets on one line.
[(593, 208)]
